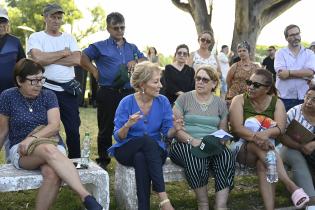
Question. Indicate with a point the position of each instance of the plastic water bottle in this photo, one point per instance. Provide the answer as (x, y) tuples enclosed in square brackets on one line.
[(271, 163), (85, 151)]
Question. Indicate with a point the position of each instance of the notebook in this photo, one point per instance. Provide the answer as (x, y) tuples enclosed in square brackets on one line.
[(299, 133)]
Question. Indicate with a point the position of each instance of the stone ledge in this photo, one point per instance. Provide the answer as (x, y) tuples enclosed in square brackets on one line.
[(94, 178)]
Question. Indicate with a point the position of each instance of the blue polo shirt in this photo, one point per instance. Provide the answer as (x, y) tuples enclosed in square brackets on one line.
[(108, 57), (10, 53)]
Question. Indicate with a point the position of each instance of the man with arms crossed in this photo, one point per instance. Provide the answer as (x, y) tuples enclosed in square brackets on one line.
[(58, 52), (295, 66)]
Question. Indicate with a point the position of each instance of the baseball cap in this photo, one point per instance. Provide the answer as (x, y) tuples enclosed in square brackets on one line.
[(4, 13), (209, 146), (52, 9)]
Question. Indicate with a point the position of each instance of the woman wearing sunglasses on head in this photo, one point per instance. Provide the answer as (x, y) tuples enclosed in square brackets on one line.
[(250, 150), (178, 76), (204, 56), (240, 72), (203, 113)]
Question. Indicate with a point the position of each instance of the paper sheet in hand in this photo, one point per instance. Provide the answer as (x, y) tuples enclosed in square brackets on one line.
[(299, 133), (222, 134)]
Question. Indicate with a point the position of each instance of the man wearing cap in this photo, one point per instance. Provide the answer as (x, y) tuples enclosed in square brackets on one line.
[(11, 51), (110, 56), (295, 66), (268, 62), (58, 52)]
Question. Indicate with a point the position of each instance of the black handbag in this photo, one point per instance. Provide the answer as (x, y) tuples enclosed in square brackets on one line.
[(73, 87)]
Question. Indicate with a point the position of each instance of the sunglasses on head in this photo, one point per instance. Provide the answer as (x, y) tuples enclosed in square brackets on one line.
[(256, 85), (203, 40), (203, 79), (118, 28), (180, 53)]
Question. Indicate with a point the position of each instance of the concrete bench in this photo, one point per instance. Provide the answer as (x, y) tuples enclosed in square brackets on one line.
[(94, 178), (125, 183)]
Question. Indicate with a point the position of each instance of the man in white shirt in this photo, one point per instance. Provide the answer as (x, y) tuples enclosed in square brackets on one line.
[(295, 66), (58, 52)]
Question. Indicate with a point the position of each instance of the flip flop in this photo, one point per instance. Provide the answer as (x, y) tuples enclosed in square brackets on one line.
[(299, 198)]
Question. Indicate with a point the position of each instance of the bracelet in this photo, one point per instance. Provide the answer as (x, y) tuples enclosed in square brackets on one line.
[(188, 141), (277, 126), (34, 136)]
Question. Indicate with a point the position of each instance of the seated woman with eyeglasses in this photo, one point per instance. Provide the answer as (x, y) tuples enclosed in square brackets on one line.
[(240, 72), (30, 116), (261, 99), (203, 113), (178, 76)]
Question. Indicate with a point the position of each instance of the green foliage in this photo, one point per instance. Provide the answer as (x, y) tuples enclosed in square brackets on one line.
[(164, 60)]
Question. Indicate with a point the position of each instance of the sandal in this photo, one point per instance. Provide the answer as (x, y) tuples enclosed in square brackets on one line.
[(163, 202), (299, 198)]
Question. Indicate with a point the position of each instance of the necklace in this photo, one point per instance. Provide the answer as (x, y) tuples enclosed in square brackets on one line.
[(29, 105), (204, 104)]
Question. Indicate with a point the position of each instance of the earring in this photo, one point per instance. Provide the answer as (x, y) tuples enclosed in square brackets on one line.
[(142, 91)]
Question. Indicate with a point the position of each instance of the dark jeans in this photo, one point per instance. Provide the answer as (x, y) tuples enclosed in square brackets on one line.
[(107, 102), (289, 103), (70, 118), (146, 156)]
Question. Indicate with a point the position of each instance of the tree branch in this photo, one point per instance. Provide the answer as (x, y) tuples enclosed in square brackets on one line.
[(275, 9), (183, 6)]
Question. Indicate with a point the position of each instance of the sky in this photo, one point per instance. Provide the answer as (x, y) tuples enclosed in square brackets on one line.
[(161, 24)]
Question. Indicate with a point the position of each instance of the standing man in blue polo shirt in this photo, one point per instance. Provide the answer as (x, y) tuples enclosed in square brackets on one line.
[(113, 58)]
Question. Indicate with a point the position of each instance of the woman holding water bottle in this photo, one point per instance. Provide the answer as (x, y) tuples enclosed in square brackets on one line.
[(255, 148)]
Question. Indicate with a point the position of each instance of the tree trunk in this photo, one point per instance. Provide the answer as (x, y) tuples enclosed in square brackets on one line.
[(199, 12), (251, 16)]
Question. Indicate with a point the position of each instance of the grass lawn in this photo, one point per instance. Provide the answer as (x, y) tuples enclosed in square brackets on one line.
[(244, 196)]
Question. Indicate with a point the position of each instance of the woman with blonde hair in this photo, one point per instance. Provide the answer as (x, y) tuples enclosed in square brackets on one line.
[(141, 121)]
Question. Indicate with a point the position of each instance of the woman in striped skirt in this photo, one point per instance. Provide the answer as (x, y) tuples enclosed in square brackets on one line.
[(203, 113)]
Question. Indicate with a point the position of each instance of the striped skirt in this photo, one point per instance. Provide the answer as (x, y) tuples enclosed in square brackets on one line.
[(221, 166)]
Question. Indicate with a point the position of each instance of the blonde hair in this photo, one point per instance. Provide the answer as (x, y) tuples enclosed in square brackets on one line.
[(142, 73), (211, 72)]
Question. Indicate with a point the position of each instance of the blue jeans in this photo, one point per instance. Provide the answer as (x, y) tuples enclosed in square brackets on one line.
[(289, 103)]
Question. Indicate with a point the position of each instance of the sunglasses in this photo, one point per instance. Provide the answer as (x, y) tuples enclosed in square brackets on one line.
[(256, 85), (37, 81), (203, 40), (3, 20), (180, 53), (118, 28), (203, 79)]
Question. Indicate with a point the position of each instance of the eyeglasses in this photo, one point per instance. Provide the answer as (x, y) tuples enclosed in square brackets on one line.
[(294, 35), (256, 85), (203, 40), (180, 53), (37, 81), (118, 28), (203, 79), (308, 98)]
